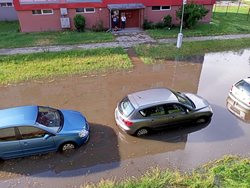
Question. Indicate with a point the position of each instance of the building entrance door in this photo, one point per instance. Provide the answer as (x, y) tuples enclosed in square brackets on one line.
[(132, 17)]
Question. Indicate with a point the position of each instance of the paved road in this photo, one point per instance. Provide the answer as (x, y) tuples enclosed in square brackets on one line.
[(125, 41)]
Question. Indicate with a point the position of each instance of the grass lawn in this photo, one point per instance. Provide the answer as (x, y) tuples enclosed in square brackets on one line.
[(229, 172), (150, 53), (221, 24), (16, 68), (10, 37)]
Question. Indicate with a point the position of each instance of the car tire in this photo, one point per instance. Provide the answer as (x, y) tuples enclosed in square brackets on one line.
[(67, 146), (142, 132), (201, 120)]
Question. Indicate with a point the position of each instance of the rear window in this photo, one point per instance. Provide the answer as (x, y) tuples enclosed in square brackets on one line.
[(243, 85), (125, 107)]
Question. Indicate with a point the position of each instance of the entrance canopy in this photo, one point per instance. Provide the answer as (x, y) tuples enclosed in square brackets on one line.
[(125, 6)]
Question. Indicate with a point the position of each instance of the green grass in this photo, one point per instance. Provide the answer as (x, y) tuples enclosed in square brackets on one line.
[(221, 24), (17, 68), (10, 37), (151, 53), (229, 172)]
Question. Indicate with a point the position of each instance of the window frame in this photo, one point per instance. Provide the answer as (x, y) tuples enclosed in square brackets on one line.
[(182, 108), (161, 8), (21, 136), (42, 12), (147, 115), (15, 134), (6, 4), (85, 10)]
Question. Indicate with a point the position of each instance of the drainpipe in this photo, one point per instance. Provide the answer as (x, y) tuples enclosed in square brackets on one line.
[(110, 21)]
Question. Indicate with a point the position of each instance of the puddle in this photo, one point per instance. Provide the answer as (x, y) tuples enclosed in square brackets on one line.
[(110, 152)]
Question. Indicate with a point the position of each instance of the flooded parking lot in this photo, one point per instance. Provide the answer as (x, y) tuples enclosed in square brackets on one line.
[(110, 152)]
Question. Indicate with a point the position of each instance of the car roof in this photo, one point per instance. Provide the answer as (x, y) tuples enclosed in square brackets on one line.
[(152, 96), (22, 115)]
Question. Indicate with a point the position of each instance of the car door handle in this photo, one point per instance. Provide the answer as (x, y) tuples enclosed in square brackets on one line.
[(25, 143)]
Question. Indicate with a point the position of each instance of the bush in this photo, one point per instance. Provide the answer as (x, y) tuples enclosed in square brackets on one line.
[(148, 25), (159, 25), (167, 20), (192, 14), (79, 22)]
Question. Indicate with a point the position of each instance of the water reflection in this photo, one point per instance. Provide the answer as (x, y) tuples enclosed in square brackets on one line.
[(239, 111)]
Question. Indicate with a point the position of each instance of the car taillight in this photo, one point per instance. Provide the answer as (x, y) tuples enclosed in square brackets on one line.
[(128, 123)]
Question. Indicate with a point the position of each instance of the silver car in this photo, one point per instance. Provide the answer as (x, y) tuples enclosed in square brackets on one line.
[(153, 109), (238, 101)]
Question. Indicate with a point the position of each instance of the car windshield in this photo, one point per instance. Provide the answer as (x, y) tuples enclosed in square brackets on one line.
[(50, 117), (126, 107), (183, 99), (244, 86)]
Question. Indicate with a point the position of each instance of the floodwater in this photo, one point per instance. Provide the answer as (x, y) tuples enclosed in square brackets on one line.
[(111, 153)]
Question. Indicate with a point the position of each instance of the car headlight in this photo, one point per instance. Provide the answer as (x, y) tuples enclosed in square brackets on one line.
[(83, 133)]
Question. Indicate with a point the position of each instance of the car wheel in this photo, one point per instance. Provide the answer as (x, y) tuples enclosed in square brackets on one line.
[(142, 132), (67, 146), (201, 120)]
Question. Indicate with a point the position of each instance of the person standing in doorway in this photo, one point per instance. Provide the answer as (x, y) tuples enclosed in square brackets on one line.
[(115, 22), (123, 19)]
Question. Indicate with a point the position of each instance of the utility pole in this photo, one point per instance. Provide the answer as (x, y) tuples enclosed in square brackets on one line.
[(180, 35)]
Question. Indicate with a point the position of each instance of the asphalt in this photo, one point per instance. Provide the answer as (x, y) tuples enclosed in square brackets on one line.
[(124, 40)]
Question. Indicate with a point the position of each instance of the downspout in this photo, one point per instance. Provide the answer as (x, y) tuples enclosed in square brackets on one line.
[(110, 21)]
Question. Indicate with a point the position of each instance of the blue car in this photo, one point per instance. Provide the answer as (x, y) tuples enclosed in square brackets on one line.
[(30, 130)]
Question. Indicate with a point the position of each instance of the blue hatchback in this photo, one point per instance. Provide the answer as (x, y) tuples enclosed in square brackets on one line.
[(30, 130)]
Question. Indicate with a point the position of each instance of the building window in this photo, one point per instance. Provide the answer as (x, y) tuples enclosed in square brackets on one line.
[(159, 8), (80, 10), (42, 12), (85, 10), (6, 4), (89, 10)]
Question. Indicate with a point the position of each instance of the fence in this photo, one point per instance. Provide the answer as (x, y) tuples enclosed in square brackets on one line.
[(236, 7)]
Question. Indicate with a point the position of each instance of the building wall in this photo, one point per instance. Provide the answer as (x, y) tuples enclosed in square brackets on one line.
[(35, 23), (157, 16), (92, 19), (30, 23), (7, 13)]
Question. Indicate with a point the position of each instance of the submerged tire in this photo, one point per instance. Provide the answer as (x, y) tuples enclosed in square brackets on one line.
[(68, 146), (202, 120), (142, 132)]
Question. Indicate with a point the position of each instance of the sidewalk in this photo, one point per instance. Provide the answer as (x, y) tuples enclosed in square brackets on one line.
[(124, 41)]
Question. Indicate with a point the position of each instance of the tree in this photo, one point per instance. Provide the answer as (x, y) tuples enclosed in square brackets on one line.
[(192, 14), (79, 22)]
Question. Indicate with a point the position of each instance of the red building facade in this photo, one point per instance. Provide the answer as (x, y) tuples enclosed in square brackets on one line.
[(56, 15)]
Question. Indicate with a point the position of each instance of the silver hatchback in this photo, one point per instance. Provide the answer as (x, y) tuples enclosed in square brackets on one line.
[(154, 109)]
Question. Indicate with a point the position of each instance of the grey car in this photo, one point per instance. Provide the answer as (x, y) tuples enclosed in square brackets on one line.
[(154, 109)]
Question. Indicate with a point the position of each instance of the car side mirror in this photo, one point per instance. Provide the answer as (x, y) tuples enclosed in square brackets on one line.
[(47, 136)]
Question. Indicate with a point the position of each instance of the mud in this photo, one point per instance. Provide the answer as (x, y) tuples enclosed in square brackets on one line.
[(112, 153)]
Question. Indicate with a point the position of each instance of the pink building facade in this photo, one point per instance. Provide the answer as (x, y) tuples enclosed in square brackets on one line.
[(57, 15)]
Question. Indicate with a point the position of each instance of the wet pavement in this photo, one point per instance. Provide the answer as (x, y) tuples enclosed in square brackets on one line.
[(110, 152)]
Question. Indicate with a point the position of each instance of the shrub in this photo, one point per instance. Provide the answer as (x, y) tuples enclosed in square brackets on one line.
[(159, 25), (148, 25), (167, 20), (192, 14), (79, 22)]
